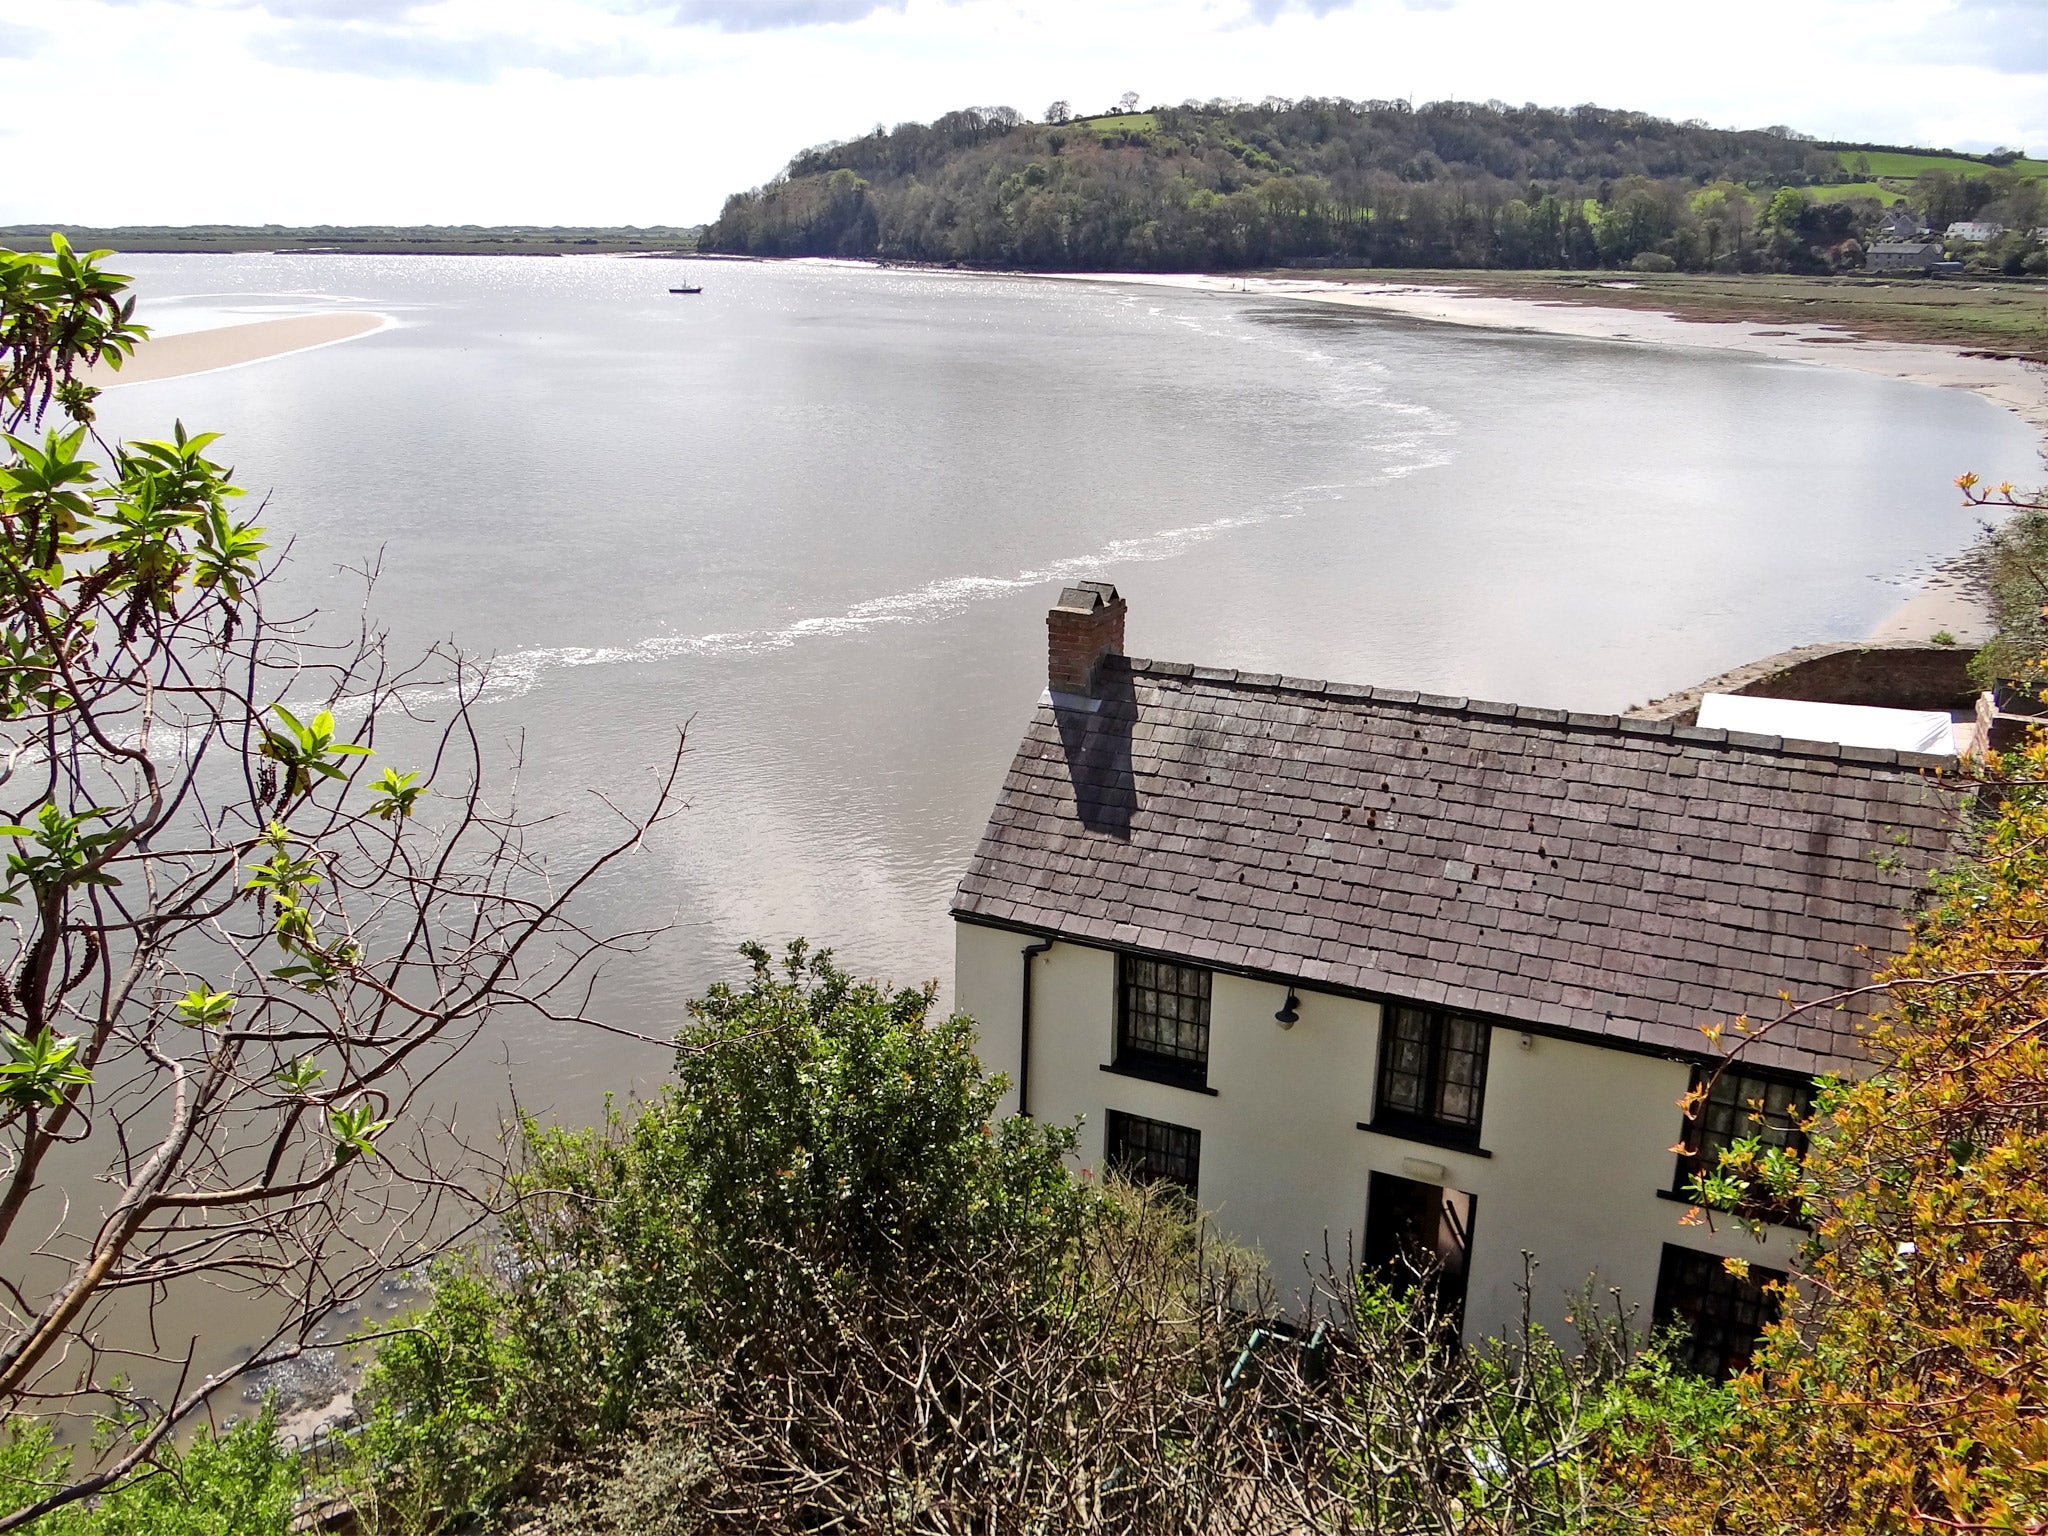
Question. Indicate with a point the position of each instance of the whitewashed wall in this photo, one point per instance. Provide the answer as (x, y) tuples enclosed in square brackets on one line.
[(1580, 1134)]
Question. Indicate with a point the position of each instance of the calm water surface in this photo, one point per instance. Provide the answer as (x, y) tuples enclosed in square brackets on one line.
[(819, 513)]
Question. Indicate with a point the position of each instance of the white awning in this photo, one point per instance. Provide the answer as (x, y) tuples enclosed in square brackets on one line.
[(1853, 725)]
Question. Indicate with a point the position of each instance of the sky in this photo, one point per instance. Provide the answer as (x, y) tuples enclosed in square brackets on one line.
[(652, 111)]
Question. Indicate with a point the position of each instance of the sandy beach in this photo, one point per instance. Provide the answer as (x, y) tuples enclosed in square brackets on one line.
[(232, 346), (1948, 602)]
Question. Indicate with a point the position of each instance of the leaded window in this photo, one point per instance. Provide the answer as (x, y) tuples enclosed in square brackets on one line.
[(1432, 1069), (1163, 1018), (1739, 1105), (1154, 1152), (1723, 1314)]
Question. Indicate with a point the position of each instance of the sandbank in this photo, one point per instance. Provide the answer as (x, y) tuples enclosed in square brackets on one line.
[(232, 346)]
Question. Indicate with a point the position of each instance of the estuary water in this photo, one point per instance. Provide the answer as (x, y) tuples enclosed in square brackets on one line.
[(818, 512)]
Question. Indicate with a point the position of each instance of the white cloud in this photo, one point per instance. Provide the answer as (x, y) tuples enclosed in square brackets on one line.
[(774, 15), (19, 42), (2010, 36), (1271, 10), (650, 111), (292, 10), (411, 53)]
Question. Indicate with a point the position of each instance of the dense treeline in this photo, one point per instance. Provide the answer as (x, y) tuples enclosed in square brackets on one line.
[(1224, 186), (1202, 187)]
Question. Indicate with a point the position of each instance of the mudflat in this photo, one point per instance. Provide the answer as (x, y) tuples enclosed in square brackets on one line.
[(229, 346)]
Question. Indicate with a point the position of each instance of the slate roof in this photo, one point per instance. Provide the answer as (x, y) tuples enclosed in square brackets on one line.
[(1626, 879)]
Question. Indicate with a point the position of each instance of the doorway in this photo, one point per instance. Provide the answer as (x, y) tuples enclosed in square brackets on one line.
[(1416, 1231)]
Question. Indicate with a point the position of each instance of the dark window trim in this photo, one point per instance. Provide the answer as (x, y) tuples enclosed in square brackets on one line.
[(1439, 1016), (1769, 1218), (1159, 1067), (1151, 1069), (1363, 994), (1425, 1134), (1687, 1163), (1761, 1276), (1192, 1188)]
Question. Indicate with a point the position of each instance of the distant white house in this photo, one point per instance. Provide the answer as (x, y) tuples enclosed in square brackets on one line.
[(1976, 231), (1901, 256)]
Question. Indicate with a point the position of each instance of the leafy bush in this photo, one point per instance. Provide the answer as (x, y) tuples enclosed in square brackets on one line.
[(462, 1412), (1902, 1389), (237, 1483), (821, 1136), (2016, 572)]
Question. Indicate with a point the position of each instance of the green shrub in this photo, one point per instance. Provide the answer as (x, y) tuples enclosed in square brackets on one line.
[(821, 1136), (1655, 1410), (2017, 552), (462, 1410), (240, 1482)]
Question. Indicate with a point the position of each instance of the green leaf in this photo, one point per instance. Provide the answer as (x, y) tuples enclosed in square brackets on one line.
[(40, 1070), (204, 1008), (355, 1132), (301, 1076)]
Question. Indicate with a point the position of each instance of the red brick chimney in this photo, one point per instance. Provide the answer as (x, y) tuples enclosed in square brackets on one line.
[(1085, 625)]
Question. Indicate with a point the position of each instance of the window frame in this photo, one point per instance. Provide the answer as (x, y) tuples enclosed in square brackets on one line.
[(1118, 1124), (1719, 1363), (1136, 1057), (1429, 1124), (1696, 1132)]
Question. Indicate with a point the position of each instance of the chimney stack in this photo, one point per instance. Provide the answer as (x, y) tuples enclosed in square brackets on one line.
[(1085, 625)]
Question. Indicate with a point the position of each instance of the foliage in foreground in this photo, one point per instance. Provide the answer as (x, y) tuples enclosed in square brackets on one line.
[(237, 1483), (2016, 577), (821, 1137), (810, 1287), (1904, 1388), (233, 952)]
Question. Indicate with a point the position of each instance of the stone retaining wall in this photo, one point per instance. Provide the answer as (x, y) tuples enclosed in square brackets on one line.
[(1890, 674)]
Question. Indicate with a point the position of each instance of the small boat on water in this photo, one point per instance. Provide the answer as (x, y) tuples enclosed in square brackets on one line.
[(688, 288)]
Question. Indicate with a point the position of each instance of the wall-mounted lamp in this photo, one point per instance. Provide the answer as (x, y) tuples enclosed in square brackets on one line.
[(1289, 1012)]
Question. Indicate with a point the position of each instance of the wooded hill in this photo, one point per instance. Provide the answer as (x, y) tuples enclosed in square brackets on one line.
[(1226, 185)]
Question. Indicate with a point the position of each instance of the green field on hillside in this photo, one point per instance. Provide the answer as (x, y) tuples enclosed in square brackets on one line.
[(1894, 163), (1843, 191), (1128, 122)]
